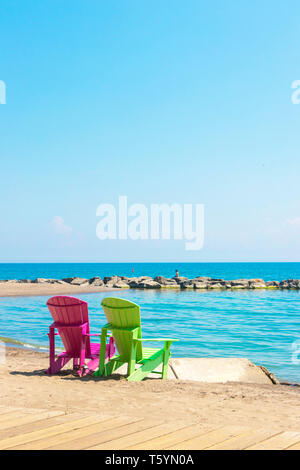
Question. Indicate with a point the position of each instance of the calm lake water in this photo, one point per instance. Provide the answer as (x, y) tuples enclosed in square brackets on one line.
[(266, 271)]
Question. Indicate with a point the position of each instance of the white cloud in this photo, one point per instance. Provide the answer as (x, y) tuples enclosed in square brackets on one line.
[(295, 222), (59, 227)]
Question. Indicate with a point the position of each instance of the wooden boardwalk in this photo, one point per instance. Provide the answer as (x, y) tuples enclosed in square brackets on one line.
[(31, 429)]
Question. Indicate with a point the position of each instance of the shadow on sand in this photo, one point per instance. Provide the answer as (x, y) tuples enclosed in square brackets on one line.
[(72, 375)]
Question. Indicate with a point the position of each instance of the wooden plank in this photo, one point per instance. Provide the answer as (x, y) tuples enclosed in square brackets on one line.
[(210, 438), (11, 414), (175, 437), (103, 437), (243, 441), (122, 443), (279, 442), (44, 423), (18, 412), (47, 432), (28, 418), (294, 446), (7, 409), (61, 441)]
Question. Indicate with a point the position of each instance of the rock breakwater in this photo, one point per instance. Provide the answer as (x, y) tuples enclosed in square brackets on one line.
[(161, 282)]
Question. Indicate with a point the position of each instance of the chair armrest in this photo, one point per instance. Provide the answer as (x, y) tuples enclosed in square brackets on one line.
[(52, 327), (92, 334)]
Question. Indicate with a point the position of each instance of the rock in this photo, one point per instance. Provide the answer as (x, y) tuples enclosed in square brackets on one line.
[(216, 285), (75, 281), (112, 283), (150, 284), (160, 279), (201, 278), (68, 279), (257, 284), (271, 376), (290, 284), (111, 280), (188, 284), (180, 279), (272, 284), (146, 284), (96, 281), (165, 282), (201, 285), (293, 283), (121, 284), (283, 285), (135, 281), (41, 280), (107, 279), (79, 281), (217, 281), (239, 283), (24, 281)]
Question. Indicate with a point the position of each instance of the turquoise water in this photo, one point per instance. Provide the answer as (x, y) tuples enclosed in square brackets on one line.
[(259, 325), (267, 271)]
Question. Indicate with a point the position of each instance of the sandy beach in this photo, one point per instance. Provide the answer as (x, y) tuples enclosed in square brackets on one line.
[(17, 289), (24, 384)]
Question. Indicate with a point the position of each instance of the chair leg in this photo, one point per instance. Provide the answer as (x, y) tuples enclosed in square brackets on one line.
[(111, 348), (82, 357), (132, 360), (51, 336), (148, 366), (100, 371), (75, 363), (57, 365), (166, 358), (112, 366)]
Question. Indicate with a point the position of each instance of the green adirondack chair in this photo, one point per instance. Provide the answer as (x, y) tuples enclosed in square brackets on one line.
[(124, 322)]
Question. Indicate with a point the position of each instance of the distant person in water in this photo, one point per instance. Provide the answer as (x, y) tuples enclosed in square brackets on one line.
[(177, 273)]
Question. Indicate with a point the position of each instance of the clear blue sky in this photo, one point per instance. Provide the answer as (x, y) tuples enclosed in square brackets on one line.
[(162, 101)]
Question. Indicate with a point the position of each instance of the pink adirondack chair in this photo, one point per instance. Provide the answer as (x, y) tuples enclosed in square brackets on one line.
[(71, 320)]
